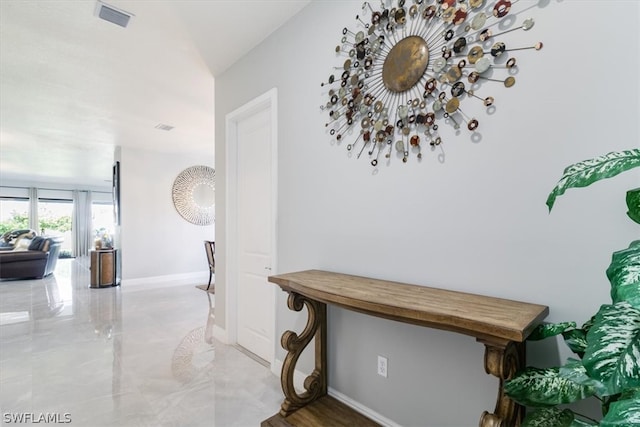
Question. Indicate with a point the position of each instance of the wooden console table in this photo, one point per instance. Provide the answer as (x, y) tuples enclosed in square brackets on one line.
[(501, 325)]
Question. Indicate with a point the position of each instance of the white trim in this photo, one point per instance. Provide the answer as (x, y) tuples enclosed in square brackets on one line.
[(15, 185), (364, 410), (146, 283), (298, 376), (298, 384), (276, 368), (220, 334), (266, 100)]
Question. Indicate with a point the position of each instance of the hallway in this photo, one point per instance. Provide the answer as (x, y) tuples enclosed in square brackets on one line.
[(140, 356)]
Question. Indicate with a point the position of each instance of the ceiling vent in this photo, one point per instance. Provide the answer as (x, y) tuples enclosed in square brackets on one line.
[(113, 14), (163, 127)]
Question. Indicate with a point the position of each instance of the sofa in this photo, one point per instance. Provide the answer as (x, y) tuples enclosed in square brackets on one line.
[(37, 260)]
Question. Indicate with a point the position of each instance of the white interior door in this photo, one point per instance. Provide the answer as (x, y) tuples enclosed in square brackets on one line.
[(255, 309)]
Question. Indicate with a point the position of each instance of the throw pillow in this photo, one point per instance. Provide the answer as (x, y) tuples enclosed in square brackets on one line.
[(22, 245), (36, 243)]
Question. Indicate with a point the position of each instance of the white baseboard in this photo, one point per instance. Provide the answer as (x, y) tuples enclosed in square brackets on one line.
[(276, 367), (298, 383), (146, 283), (364, 410), (298, 377), (220, 334)]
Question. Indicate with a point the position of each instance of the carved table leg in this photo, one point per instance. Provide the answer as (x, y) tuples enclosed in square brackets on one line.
[(503, 360), (315, 384)]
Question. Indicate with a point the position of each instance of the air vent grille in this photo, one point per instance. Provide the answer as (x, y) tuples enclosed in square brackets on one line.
[(113, 15), (162, 126)]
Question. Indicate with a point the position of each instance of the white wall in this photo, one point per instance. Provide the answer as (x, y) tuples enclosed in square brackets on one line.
[(476, 222), (156, 240)]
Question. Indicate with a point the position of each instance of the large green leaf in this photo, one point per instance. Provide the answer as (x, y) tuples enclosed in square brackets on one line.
[(633, 203), (573, 370), (613, 347), (554, 417), (589, 171), (589, 323), (546, 330), (624, 275), (545, 387), (623, 413), (576, 340), (549, 417)]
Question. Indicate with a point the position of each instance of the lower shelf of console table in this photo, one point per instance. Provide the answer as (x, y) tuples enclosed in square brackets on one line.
[(501, 325), (325, 411)]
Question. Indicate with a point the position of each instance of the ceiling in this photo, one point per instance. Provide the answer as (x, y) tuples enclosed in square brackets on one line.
[(73, 87)]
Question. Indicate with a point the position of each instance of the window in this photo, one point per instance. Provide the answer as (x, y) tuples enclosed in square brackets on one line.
[(55, 209), (54, 217), (14, 214), (102, 218)]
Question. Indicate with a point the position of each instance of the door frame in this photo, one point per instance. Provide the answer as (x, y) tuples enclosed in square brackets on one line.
[(268, 99)]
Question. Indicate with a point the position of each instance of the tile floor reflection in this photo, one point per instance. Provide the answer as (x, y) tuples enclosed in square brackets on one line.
[(123, 357)]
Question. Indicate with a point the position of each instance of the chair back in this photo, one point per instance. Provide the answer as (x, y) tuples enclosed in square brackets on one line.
[(210, 248)]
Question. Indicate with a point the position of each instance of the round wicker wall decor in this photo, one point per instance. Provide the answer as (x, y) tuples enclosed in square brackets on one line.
[(194, 194)]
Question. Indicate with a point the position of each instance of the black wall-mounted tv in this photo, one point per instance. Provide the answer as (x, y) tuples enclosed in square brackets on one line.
[(115, 183)]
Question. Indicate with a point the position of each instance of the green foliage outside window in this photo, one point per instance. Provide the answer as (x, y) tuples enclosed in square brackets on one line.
[(20, 221), (49, 222)]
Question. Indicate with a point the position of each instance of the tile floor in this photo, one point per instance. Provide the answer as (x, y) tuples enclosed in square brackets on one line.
[(122, 357)]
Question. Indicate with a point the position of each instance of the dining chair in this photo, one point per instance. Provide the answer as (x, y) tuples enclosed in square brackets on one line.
[(210, 248)]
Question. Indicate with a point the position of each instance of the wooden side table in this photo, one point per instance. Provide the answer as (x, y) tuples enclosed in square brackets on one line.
[(103, 268)]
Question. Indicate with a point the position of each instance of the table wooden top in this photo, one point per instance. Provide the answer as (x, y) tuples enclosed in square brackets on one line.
[(480, 316)]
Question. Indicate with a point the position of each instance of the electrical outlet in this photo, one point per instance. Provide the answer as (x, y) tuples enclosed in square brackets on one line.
[(382, 366)]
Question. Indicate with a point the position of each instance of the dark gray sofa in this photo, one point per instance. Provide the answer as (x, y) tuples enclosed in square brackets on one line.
[(38, 261)]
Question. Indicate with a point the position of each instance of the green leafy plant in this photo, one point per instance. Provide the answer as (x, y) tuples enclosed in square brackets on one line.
[(17, 221), (607, 345), (65, 254)]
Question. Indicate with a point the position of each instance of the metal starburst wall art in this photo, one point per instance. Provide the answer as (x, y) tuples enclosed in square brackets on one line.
[(409, 68)]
